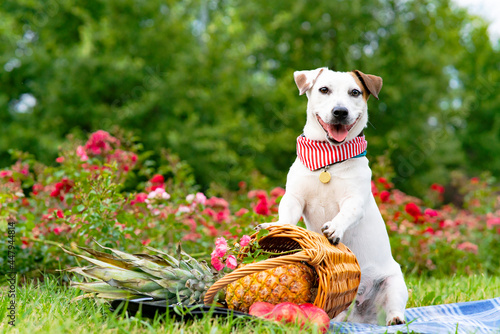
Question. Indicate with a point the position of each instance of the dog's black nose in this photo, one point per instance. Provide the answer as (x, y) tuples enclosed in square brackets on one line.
[(340, 113)]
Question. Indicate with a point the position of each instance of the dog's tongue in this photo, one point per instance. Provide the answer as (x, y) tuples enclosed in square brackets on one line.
[(338, 132)]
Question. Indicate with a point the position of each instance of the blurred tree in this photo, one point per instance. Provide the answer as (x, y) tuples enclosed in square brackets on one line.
[(212, 80), (479, 83)]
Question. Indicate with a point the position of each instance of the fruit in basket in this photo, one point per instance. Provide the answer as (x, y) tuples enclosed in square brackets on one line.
[(182, 279), (306, 315), (287, 283), (316, 315), (261, 309), (289, 313)]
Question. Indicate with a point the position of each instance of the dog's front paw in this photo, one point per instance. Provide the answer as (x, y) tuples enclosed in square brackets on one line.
[(332, 232), (264, 226)]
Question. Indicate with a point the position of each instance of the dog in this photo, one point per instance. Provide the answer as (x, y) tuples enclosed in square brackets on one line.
[(334, 195)]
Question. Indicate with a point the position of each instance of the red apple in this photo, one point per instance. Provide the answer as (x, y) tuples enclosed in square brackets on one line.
[(289, 312), (316, 315), (261, 309)]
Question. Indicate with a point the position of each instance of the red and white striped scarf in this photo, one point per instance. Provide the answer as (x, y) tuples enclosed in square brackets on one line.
[(318, 154)]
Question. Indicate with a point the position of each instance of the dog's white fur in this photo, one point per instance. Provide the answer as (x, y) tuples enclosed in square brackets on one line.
[(344, 209)]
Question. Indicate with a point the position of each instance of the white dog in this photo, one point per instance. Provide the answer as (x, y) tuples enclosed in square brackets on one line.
[(330, 186)]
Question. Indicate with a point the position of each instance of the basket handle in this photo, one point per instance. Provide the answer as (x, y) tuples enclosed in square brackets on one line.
[(250, 269)]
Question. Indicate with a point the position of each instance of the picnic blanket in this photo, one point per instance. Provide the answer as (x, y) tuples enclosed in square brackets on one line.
[(470, 317)]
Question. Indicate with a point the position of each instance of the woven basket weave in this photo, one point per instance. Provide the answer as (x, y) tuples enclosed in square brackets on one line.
[(336, 266)]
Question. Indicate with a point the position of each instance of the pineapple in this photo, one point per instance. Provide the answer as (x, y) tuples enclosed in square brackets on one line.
[(289, 283), (121, 275), (184, 280)]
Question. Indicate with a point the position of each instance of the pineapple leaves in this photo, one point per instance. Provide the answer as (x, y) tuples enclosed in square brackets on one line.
[(179, 278)]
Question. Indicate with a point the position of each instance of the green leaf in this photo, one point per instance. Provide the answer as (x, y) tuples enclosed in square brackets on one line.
[(248, 260), (262, 257), (262, 233)]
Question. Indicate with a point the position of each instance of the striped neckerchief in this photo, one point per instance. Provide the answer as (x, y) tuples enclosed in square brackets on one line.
[(318, 154)]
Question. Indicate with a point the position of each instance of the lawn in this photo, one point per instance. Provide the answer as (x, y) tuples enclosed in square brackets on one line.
[(116, 198), (47, 308)]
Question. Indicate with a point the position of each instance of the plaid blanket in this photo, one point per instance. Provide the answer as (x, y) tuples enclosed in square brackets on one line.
[(470, 317)]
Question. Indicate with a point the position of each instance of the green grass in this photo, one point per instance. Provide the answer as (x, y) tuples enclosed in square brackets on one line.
[(455, 289), (47, 308)]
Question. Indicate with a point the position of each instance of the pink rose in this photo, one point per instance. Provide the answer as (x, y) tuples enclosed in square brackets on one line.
[(99, 142), (492, 222), (231, 262), (277, 192), (222, 216), (216, 263), (468, 247), (80, 151), (139, 198), (192, 236), (215, 202), (5, 173), (220, 241), (431, 212), (200, 198), (241, 212), (220, 247), (184, 209), (244, 240)]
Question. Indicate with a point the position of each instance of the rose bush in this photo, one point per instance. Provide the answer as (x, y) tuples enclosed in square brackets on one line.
[(445, 238), (107, 189)]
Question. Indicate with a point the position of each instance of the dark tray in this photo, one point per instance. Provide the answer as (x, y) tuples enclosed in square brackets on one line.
[(150, 307)]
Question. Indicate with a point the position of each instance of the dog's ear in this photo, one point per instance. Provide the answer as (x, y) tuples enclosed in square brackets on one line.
[(306, 79), (372, 83)]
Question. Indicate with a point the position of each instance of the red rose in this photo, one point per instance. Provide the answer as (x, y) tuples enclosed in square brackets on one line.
[(413, 210), (157, 179), (385, 196), (437, 188), (382, 180), (262, 208)]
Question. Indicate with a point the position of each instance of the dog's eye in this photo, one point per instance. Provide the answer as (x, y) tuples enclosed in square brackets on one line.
[(355, 93), (324, 90)]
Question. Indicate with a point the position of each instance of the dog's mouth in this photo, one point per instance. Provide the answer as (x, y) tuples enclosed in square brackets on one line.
[(336, 133)]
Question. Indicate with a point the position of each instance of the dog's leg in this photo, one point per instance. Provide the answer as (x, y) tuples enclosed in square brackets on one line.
[(341, 317), (396, 298), (290, 211), (351, 212)]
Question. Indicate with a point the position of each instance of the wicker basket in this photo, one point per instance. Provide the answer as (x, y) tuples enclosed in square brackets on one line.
[(336, 266)]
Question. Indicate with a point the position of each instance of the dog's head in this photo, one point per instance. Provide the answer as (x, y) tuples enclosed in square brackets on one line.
[(336, 104)]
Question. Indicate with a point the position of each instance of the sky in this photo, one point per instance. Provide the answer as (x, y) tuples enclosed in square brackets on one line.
[(488, 9)]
